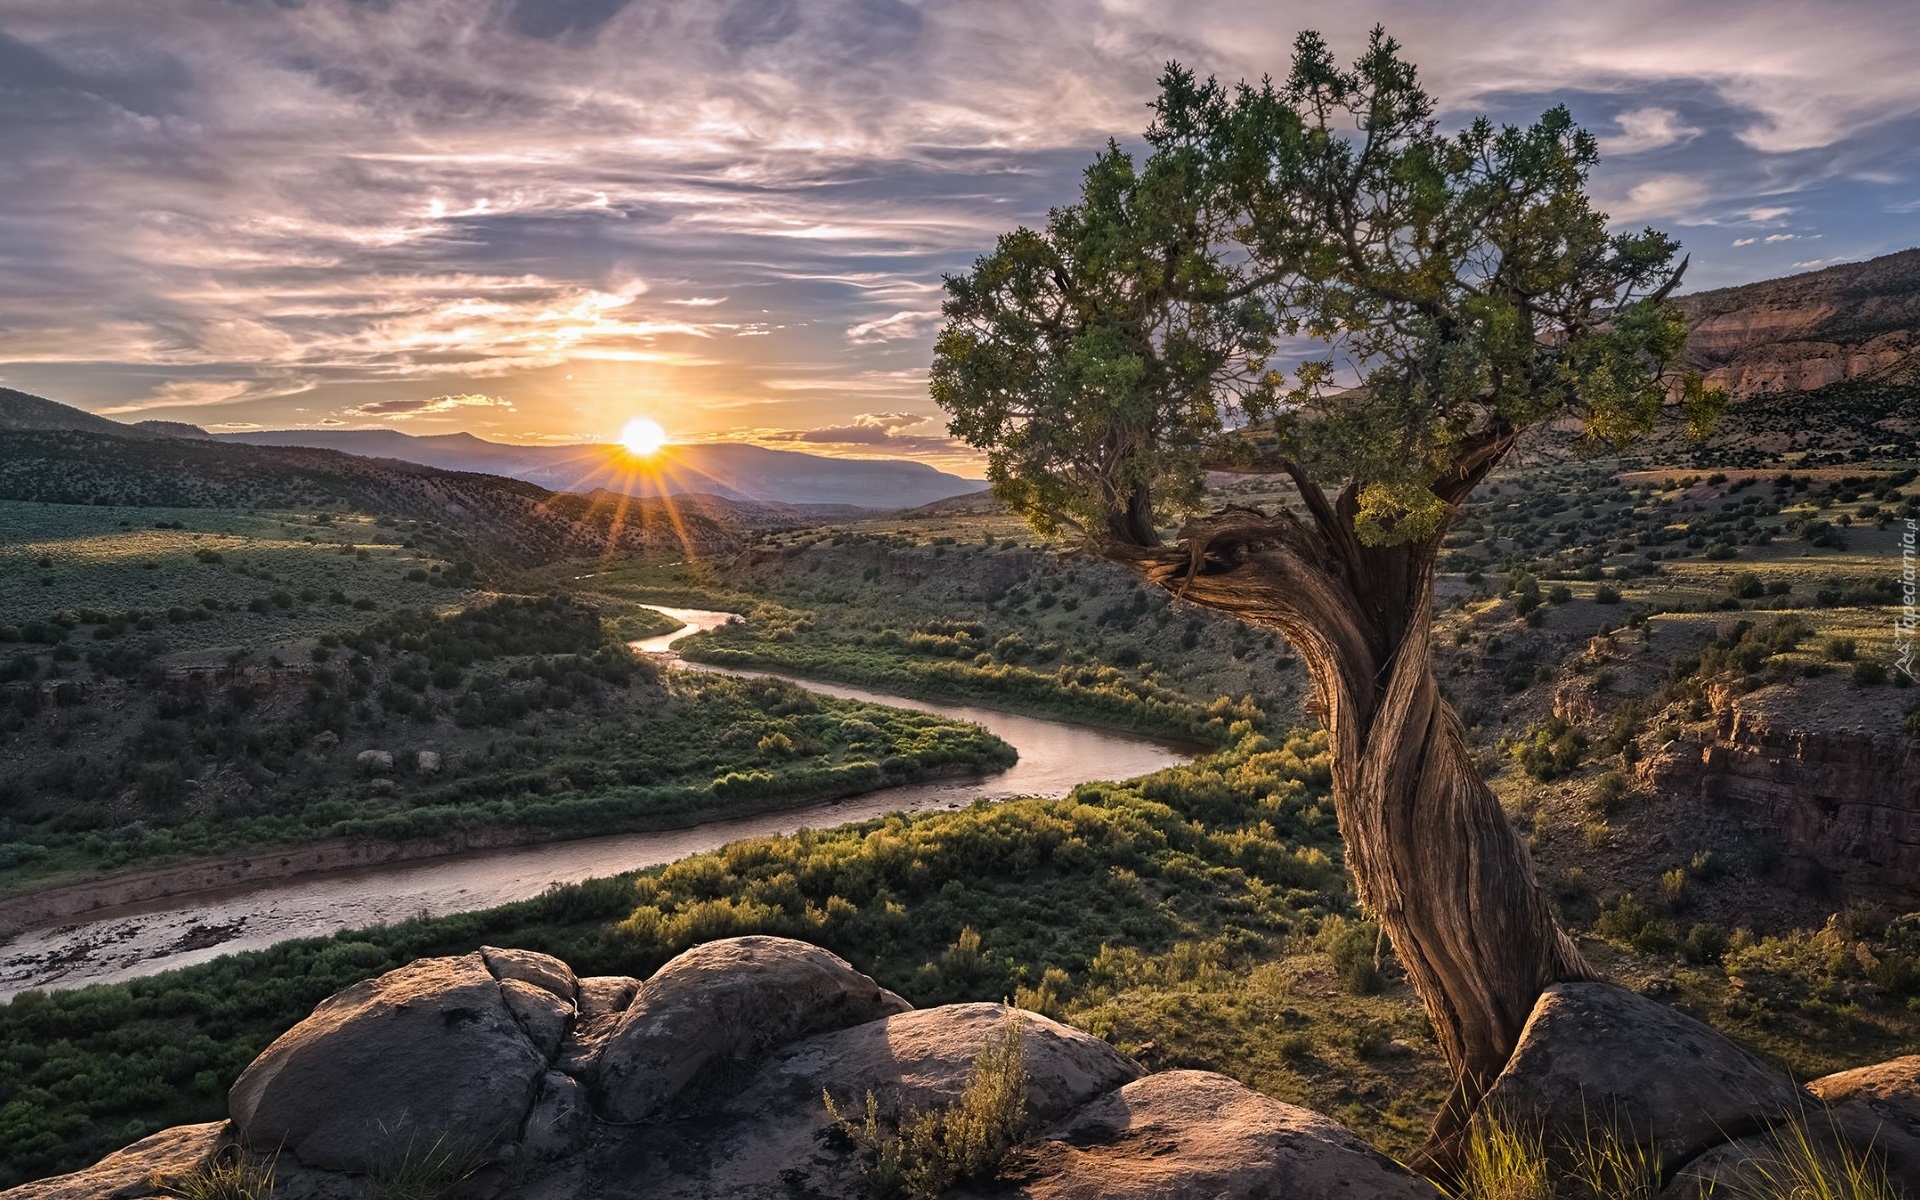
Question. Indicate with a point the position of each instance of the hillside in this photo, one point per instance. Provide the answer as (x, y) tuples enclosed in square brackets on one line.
[(55, 454), (1853, 321), (22, 412), (733, 472)]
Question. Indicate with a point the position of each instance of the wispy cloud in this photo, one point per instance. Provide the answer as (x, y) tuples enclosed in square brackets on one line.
[(1643, 129), (406, 410)]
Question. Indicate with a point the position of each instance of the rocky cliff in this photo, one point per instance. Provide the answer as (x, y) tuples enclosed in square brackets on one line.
[(1853, 321), (1842, 801)]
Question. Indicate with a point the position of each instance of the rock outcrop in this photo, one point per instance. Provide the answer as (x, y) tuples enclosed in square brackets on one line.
[(1879, 1106), (498, 1075), (726, 1001), (1843, 802), (502, 1071), (132, 1172)]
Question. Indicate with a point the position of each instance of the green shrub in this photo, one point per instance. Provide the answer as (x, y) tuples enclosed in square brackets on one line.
[(926, 1153), (1550, 749), (1354, 947), (1608, 791)]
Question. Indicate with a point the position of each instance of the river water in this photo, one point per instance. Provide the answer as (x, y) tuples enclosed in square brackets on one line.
[(143, 939)]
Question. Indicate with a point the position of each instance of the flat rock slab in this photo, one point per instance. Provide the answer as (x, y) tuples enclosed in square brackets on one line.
[(1593, 1055), (774, 1138), (530, 966), (142, 1169), (722, 1003), (1879, 1107), (1891, 1087), (422, 1053), (1193, 1133)]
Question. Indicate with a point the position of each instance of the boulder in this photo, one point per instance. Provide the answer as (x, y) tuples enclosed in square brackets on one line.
[(427, 1051), (1195, 1133), (427, 762), (371, 761), (1758, 1166), (719, 1006), (1891, 1088), (1594, 1055), (142, 1169), (774, 1138)]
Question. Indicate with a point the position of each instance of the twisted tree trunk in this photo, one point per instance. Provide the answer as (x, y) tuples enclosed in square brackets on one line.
[(1433, 856)]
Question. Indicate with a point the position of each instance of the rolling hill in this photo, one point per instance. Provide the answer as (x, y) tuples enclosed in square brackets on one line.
[(55, 454), (730, 471)]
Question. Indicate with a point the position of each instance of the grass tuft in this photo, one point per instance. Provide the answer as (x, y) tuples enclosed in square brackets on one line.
[(237, 1179), (430, 1171)]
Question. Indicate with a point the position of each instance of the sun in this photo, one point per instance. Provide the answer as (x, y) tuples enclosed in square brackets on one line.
[(643, 437)]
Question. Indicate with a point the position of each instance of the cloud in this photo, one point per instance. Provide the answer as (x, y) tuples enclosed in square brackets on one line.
[(868, 434), (1644, 129), (895, 327), (364, 203), (207, 393), (406, 410), (1660, 196), (868, 429)]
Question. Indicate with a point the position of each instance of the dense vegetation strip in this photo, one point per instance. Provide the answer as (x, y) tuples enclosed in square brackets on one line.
[(522, 714)]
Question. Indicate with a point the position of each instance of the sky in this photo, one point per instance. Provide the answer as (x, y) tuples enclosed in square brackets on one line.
[(537, 219)]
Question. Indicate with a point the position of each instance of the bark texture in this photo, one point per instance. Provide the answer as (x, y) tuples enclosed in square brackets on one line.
[(1433, 856)]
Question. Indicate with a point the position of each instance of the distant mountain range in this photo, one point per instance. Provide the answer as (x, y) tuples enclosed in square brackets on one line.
[(1856, 321), (823, 487), (728, 470), (60, 455)]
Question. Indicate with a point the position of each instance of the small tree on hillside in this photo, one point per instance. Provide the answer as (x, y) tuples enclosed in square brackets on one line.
[(1455, 290)]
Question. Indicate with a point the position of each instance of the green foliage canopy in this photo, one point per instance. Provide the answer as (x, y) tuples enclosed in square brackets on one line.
[(1312, 273)]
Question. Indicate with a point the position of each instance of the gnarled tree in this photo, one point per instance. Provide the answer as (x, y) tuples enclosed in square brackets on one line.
[(1432, 296)]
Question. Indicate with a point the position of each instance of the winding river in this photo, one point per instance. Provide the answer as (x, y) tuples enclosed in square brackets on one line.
[(143, 939)]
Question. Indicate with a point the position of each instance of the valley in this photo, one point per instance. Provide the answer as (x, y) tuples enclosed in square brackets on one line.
[(1651, 660)]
